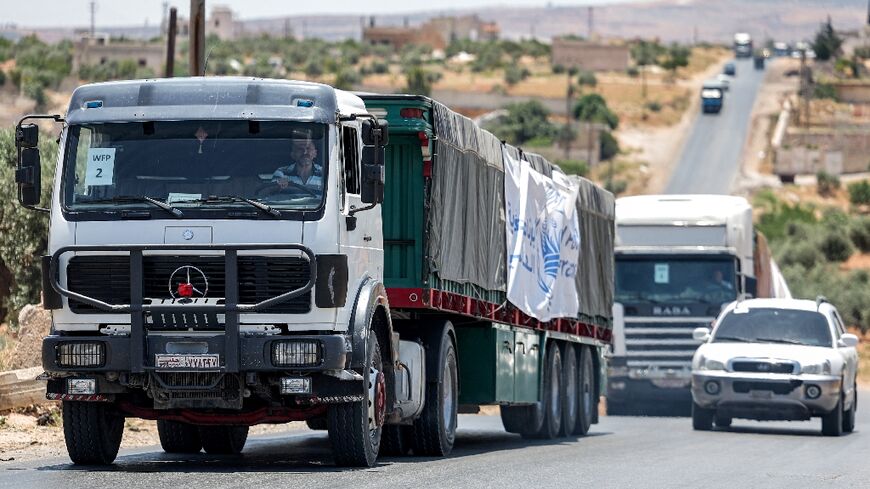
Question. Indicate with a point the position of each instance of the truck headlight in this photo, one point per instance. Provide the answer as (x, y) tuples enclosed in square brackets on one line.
[(710, 364), (296, 353), (822, 368), (81, 354)]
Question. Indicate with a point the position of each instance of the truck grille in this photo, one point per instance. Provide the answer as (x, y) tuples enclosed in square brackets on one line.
[(197, 385), (260, 277), (664, 345), (774, 367)]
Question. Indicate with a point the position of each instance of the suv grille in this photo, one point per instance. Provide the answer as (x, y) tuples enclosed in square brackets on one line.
[(763, 367), (260, 277), (781, 388)]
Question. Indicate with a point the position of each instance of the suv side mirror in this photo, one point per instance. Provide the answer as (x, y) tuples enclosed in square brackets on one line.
[(848, 340), (701, 334)]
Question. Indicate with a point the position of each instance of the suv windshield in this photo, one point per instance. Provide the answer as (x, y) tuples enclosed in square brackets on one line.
[(769, 325), (673, 280), (195, 165)]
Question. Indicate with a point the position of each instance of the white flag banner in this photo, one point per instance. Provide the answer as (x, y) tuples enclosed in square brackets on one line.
[(543, 241)]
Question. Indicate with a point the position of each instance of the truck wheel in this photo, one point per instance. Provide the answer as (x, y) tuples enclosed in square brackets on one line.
[(553, 393), (702, 418), (316, 424), (571, 399), (223, 440), (396, 440), (177, 437), (355, 428), (435, 429), (92, 431), (832, 423), (586, 405), (849, 416)]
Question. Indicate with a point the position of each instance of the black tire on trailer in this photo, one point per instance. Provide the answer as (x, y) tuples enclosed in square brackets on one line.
[(92, 431), (223, 440), (552, 394), (316, 424), (178, 437), (702, 418), (722, 421), (587, 405), (523, 420), (849, 416), (571, 399), (355, 428), (435, 429), (832, 423), (396, 440)]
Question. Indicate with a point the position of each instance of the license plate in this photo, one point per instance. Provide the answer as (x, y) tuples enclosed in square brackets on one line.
[(761, 394), (186, 361)]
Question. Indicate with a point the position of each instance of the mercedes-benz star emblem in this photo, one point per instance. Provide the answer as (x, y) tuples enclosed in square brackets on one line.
[(188, 281), (187, 234)]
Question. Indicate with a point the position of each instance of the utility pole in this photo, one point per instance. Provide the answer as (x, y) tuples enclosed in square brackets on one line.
[(569, 95), (93, 18), (197, 37), (590, 20), (171, 29)]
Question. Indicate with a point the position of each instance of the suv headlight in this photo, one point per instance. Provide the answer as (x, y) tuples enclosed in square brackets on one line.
[(710, 364), (822, 368)]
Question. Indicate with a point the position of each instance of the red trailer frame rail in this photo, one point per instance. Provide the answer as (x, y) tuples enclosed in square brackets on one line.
[(440, 300)]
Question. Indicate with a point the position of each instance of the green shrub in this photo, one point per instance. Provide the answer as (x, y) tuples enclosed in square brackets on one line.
[(558, 69), (513, 74), (380, 67), (574, 167), (847, 291), (826, 183), (825, 90), (654, 106), (834, 217), (859, 192), (836, 246), (803, 253), (617, 187), (632, 71), (859, 233), (609, 146)]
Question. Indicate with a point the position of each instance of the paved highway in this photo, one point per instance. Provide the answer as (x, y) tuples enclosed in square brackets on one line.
[(712, 153), (619, 452)]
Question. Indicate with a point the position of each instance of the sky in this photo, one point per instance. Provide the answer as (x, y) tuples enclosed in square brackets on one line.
[(76, 13)]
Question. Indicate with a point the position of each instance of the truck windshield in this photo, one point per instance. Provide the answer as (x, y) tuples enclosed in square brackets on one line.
[(676, 280), (769, 325), (209, 166)]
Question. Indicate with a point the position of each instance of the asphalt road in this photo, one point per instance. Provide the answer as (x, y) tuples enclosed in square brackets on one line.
[(619, 452), (713, 151)]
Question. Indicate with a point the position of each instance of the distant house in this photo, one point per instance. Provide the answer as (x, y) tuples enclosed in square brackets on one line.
[(99, 50), (590, 55), (436, 33)]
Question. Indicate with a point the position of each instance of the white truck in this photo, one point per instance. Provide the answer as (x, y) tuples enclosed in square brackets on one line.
[(226, 252), (679, 259), (742, 45)]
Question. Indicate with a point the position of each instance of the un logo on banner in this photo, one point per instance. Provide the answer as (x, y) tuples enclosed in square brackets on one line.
[(551, 256)]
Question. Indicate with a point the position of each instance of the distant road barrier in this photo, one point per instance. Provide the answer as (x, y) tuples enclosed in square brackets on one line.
[(19, 388)]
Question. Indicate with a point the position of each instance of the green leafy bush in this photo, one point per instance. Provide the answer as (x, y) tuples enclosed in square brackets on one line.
[(859, 192), (803, 253), (609, 146), (836, 246), (859, 233), (654, 106), (574, 167), (826, 183)]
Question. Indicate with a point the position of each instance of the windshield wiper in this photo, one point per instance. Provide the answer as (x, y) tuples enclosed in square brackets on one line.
[(781, 340), (137, 198), (739, 339), (234, 198)]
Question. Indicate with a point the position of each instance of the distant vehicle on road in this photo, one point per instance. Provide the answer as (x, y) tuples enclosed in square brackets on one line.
[(742, 45), (776, 359), (758, 61), (730, 69), (780, 49), (711, 100), (724, 81)]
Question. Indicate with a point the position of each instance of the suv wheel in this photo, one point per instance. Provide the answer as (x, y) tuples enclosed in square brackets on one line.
[(702, 418)]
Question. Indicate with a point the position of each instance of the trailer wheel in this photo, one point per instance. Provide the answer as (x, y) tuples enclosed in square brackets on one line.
[(572, 398), (587, 405), (92, 431), (223, 440), (355, 428), (553, 393), (177, 437), (396, 440), (435, 429)]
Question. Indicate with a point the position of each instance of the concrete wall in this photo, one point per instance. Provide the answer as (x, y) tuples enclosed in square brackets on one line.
[(590, 56), (853, 92), (836, 151)]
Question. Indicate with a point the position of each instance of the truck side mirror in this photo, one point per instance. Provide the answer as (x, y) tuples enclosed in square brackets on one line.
[(372, 178), (751, 287), (375, 133), (28, 176), (26, 136)]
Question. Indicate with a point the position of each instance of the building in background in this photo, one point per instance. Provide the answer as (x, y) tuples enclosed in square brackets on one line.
[(99, 50), (221, 23), (590, 55), (436, 33)]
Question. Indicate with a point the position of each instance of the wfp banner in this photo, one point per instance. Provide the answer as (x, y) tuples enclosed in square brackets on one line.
[(543, 241)]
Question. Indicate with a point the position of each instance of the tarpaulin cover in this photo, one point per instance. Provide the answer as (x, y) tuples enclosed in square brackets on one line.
[(466, 223)]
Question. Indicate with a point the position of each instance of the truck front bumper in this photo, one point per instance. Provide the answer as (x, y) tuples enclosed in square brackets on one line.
[(631, 389), (766, 396)]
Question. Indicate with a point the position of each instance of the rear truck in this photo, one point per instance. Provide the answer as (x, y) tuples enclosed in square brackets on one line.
[(679, 259), (226, 252), (742, 45), (712, 96)]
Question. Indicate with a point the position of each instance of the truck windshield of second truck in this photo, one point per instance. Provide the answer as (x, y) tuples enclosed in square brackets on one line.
[(675, 281), (192, 165)]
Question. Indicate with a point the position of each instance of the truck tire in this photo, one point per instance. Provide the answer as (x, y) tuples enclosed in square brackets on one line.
[(92, 431), (223, 440), (832, 423), (396, 440), (435, 429), (523, 420), (317, 424), (355, 428), (552, 395), (587, 395), (571, 379), (702, 418), (177, 437), (849, 416)]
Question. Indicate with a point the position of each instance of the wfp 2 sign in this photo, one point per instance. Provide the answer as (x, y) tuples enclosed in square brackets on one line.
[(543, 241), (100, 169)]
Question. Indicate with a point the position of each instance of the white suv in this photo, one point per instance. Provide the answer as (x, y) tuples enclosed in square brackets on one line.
[(776, 359)]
